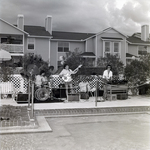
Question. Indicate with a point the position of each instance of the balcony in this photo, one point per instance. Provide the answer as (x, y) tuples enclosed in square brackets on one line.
[(12, 48)]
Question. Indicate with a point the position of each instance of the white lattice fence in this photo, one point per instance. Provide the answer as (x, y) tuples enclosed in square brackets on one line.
[(19, 84)]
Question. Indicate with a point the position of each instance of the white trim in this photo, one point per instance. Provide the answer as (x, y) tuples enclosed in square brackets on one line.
[(85, 46), (57, 55), (49, 57), (96, 51), (23, 43), (17, 54), (140, 44), (137, 50), (125, 51), (111, 39), (103, 47), (34, 36), (68, 40), (105, 31)]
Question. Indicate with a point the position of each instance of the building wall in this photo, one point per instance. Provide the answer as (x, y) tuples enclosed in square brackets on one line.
[(112, 34), (90, 45), (132, 49), (42, 48), (8, 29), (54, 54)]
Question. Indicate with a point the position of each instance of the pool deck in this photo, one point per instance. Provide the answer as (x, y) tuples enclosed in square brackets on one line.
[(134, 104), (91, 103)]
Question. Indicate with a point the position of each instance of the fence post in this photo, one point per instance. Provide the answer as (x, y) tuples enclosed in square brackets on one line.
[(29, 93), (96, 93), (32, 105)]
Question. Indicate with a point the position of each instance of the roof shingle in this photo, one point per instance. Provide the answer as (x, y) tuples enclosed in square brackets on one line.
[(70, 35), (36, 30)]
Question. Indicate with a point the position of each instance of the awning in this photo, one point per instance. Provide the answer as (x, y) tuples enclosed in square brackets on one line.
[(111, 38), (130, 55), (88, 55)]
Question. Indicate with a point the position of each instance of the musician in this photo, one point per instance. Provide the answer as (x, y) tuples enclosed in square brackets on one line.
[(107, 75), (41, 79), (51, 70), (66, 75)]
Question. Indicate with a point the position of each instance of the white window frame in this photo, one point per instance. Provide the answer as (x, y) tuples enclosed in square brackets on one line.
[(144, 47), (63, 46), (119, 49), (107, 52), (31, 41), (111, 48)]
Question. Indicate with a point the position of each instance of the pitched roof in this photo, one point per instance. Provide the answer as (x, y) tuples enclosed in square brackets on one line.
[(36, 30), (70, 35), (136, 39)]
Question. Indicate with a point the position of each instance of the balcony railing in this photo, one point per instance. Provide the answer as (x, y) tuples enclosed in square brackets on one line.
[(12, 48)]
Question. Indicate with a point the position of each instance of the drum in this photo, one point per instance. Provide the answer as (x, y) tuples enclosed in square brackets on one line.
[(42, 94)]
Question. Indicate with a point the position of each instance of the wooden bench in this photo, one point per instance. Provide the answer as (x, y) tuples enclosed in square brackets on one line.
[(120, 90)]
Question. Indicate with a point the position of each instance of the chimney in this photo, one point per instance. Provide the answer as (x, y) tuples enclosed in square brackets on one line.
[(145, 32), (20, 22), (48, 24)]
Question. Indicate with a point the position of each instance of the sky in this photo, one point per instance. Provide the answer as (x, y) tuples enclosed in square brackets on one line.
[(87, 16)]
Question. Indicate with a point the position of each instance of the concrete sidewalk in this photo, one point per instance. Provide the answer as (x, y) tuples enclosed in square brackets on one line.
[(131, 101)]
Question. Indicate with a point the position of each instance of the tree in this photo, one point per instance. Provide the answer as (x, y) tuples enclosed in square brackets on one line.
[(73, 59), (146, 60), (37, 61), (5, 72), (136, 73), (114, 61)]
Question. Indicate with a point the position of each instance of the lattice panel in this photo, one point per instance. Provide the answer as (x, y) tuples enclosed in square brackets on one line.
[(20, 84), (56, 81)]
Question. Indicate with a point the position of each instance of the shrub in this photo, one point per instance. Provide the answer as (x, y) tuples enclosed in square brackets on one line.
[(114, 61)]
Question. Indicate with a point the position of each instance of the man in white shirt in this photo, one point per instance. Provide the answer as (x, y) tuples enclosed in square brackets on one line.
[(107, 75), (65, 74), (41, 79)]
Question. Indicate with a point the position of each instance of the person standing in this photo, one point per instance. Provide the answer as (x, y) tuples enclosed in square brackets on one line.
[(107, 76), (65, 74)]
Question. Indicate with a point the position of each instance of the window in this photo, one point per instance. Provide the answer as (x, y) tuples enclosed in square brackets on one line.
[(63, 47), (142, 50), (116, 47), (31, 42), (111, 47), (3, 40), (107, 47)]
